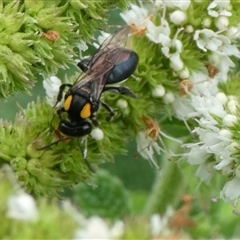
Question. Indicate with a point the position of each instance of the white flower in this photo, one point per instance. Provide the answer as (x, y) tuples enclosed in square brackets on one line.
[(101, 38), (82, 46), (183, 108), (137, 16), (117, 229), (172, 49), (159, 91), (183, 5), (233, 33), (219, 8), (231, 190), (207, 39), (147, 147), (22, 207), (95, 228), (97, 134), (51, 86), (177, 17), (203, 174), (158, 34), (156, 225)]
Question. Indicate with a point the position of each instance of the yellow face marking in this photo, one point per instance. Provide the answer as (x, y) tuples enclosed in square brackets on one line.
[(67, 103), (86, 111)]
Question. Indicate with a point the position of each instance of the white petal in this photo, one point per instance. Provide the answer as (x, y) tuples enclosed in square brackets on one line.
[(231, 190)]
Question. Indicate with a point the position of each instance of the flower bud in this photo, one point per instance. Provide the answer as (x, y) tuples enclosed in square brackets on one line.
[(184, 73), (159, 91), (177, 17), (229, 120), (222, 23), (97, 134), (222, 98), (122, 103), (168, 97), (232, 106)]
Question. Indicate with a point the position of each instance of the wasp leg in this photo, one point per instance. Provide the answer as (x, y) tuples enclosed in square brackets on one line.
[(84, 153), (94, 121), (122, 90), (60, 93), (83, 65), (110, 110), (53, 143)]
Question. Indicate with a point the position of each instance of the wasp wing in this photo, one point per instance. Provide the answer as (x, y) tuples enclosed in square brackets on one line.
[(107, 56)]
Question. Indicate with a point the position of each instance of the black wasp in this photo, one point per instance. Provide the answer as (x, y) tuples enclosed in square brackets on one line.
[(112, 63)]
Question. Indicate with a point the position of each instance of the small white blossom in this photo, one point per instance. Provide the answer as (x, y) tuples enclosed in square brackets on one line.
[(172, 49), (146, 147), (97, 134), (82, 46), (101, 38), (183, 5), (207, 39), (138, 16), (159, 91), (231, 190), (219, 8), (233, 33), (52, 85), (22, 207), (117, 229), (203, 173), (158, 34), (156, 225), (95, 228)]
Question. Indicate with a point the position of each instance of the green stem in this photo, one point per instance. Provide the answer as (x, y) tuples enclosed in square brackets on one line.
[(167, 189)]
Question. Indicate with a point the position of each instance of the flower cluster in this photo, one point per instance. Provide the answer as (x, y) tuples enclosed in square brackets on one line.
[(190, 49)]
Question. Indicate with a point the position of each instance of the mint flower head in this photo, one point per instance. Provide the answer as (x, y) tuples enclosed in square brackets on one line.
[(40, 172), (39, 37), (188, 54)]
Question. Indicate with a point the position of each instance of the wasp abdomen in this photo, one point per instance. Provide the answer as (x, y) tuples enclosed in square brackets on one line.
[(124, 69)]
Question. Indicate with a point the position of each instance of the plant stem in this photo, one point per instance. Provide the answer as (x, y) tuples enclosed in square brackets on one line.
[(167, 189)]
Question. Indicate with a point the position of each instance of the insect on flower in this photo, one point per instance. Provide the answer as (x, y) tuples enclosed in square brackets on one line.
[(112, 63)]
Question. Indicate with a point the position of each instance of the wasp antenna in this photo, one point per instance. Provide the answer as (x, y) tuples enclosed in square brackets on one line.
[(84, 154), (53, 143)]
